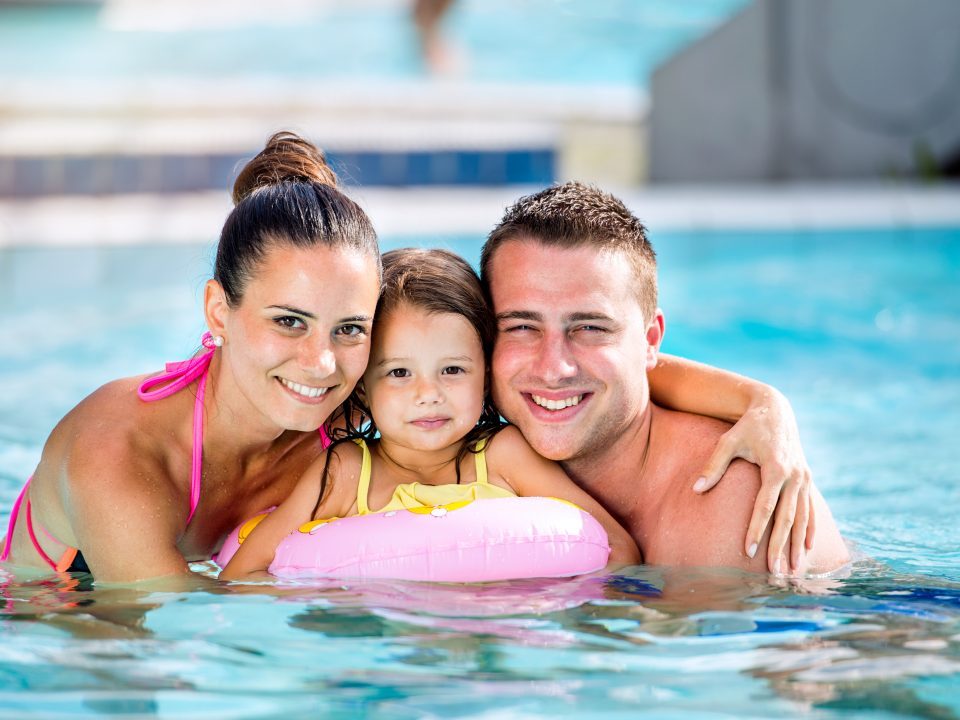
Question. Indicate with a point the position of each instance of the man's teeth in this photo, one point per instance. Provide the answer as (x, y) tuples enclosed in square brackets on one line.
[(557, 404), (305, 390)]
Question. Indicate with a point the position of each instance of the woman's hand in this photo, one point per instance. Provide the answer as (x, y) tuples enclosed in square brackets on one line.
[(767, 435)]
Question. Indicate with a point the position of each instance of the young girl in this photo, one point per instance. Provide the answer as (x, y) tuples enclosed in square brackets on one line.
[(421, 422)]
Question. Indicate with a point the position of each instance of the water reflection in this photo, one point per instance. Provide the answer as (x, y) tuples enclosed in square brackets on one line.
[(681, 641)]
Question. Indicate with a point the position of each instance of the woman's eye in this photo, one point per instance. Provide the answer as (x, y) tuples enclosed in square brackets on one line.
[(350, 330), (290, 322), (453, 370), (399, 373)]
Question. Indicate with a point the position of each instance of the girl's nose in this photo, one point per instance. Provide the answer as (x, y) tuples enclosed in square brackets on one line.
[(428, 392)]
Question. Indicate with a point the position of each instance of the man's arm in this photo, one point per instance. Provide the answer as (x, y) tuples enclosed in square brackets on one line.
[(765, 433)]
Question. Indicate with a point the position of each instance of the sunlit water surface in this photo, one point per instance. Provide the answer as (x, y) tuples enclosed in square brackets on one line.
[(860, 329)]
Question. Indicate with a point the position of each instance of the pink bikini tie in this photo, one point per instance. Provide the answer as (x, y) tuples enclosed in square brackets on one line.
[(179, 375)]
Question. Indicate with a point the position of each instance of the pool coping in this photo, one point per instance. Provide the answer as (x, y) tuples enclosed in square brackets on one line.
[(72, 221)]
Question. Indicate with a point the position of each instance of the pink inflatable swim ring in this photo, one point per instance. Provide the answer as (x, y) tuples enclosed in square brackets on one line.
[(469, 541)]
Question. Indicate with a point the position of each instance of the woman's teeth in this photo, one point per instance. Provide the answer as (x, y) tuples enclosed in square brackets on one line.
[(557, 404), (305, 390)]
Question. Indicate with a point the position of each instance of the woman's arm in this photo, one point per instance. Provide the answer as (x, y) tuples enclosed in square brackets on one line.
[(765, 433), (125, 513), (528, 474)]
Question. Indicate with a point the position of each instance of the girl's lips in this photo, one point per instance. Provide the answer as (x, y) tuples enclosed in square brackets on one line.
[(430, 423)]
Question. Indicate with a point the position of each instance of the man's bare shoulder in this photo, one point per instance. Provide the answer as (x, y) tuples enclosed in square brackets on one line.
[(692, 529), (710, 529)]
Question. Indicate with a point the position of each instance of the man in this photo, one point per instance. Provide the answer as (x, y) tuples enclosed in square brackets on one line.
[(572, 278)]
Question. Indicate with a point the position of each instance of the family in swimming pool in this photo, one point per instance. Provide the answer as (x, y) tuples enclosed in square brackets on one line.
[(571, 279)]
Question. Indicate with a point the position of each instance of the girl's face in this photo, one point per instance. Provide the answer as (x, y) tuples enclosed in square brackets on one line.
[(425, 382), (299, 340)]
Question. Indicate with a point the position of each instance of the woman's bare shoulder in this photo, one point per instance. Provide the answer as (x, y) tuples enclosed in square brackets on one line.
[(113, 434)]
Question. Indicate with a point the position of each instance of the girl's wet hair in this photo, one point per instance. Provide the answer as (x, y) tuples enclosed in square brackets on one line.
[(437, 281), (287, 194)]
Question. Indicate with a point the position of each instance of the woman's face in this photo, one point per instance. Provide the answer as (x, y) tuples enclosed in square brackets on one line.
[(300, 338)]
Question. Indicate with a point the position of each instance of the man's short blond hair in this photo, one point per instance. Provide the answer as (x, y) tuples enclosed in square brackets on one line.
[(575, 215)]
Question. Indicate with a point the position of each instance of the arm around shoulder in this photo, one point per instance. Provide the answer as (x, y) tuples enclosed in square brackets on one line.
[(715, 524)]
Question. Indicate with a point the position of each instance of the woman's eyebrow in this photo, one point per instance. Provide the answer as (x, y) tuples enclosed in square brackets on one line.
[(311, 316), (293, 310)]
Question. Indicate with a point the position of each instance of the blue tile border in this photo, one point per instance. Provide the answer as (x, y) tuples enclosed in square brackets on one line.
[(34, 176)]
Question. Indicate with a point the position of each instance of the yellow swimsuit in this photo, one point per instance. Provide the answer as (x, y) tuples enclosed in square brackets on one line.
[(415, 496), (412, 496)]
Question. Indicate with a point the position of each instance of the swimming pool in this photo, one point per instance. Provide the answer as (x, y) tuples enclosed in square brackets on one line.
[(860, 328), (537, 41)]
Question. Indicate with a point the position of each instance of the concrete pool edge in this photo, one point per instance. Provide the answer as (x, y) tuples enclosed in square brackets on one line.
[(72, 221)]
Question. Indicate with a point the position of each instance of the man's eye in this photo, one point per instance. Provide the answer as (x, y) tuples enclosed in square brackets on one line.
[(399, 373), (515, 328), (290, 322)]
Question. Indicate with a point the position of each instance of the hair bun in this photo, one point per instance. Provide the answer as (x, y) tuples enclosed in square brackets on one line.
[(287, 157)]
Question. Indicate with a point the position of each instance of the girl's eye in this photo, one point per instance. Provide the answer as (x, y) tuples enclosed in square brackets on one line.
[(453, 370), (290, 322), (399, 373)]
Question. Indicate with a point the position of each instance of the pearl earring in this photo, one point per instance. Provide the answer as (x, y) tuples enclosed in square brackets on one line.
[(218, 340)]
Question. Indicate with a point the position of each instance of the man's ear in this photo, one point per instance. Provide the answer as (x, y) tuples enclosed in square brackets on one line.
[(655, 330), (215, 308)]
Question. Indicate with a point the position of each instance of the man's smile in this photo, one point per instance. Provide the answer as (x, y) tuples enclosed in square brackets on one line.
[(556, 404)]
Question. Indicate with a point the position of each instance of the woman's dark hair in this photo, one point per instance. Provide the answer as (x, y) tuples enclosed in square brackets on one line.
[(437, 281), (287, 194)]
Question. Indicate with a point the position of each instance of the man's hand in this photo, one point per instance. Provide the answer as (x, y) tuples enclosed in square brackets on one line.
[(767, 436)]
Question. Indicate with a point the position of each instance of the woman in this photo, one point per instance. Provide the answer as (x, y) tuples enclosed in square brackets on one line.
[(145, 475)]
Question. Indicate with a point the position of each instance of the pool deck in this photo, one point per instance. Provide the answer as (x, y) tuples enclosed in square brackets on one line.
[(433, 213)]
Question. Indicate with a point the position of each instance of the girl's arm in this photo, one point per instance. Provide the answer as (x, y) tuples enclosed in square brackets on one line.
[(765, 433), (256, 552), (529, 474)]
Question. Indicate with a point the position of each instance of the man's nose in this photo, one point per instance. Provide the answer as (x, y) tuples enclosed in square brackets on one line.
[(555, 362)]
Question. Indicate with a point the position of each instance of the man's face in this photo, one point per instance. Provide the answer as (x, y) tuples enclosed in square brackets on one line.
[(572, 350)]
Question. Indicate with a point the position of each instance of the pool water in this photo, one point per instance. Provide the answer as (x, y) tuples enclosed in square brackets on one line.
[(537, 41), (859, 328)]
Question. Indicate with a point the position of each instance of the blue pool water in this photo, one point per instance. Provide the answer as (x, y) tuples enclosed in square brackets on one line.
[(860, 328), (615, 42)]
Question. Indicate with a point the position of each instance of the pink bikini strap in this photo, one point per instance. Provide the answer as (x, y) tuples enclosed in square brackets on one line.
[(36, 543), (5, 555), (179, 375), (12, 524)]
